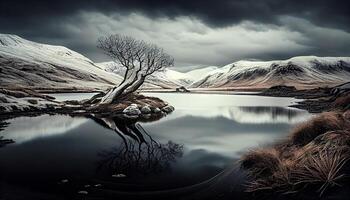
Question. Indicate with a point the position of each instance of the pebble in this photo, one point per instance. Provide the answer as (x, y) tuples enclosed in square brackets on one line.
[(64, 181), (118, 175), (83, 192)]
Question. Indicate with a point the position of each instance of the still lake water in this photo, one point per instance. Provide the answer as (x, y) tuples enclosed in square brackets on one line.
[(205, 134)]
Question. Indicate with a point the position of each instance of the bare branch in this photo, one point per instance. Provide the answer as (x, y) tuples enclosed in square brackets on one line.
[(140, 59)]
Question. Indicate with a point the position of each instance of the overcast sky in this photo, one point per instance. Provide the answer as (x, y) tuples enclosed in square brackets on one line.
[(194, 32)]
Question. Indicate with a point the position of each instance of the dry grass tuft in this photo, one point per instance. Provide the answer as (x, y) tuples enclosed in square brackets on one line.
[(314, 158), (307, 131), (261, 163), (322, 170)]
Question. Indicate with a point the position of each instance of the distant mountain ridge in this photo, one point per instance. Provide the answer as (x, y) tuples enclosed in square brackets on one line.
[(301, 71), (30, 64)]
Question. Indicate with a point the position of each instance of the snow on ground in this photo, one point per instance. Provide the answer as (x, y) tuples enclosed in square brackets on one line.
[(167, 78), (198, 74), (31, 64), (302, 71), (10, 103)]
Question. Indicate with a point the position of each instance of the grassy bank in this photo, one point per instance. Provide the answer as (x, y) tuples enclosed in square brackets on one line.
[(312, 162)]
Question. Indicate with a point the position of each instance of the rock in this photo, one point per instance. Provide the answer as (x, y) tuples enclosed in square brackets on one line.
[(168, 109), (64, 181), (127, 116), (3, 100), (182, 89), (146, 110), (156, 110), (32, 101), (50, 106), (146, 116), (118, 175), (14, 108), (132, 110), (83, 192), (17, 94)]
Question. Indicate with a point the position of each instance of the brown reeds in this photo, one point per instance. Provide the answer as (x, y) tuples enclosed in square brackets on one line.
[(314, 156)]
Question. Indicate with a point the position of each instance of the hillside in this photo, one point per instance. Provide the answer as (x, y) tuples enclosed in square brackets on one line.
[(30, 64), (301, 72), (165, 79)]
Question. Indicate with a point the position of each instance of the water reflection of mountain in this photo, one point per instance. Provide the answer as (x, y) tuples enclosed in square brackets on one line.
[(138, 152), (270, 114), (275, 111), (247, 114)]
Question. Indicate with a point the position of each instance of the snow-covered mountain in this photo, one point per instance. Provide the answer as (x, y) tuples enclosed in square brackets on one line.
[(165, 79), (31, 64), (302, 72), (200, 73)]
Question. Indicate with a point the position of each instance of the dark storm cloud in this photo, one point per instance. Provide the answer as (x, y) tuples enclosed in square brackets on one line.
[(333, 13), (213, 32)]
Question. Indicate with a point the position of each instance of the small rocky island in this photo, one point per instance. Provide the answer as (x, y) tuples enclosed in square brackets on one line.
[(20, 101)]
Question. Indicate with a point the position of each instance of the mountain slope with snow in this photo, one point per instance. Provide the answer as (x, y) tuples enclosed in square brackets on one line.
[(167, 78), (301, 72), (30, 64), (200, 73)]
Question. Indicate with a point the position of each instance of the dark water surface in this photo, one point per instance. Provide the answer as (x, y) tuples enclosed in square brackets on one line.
[(204, 135)]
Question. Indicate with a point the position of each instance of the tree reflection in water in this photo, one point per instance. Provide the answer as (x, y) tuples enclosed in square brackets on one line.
[(138, 152)]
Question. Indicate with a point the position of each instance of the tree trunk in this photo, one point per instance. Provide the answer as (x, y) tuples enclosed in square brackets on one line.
[(114, 93), (134, 86), (124, 89)]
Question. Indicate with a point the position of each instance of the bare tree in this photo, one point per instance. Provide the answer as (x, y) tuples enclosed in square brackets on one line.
[(138, 58)]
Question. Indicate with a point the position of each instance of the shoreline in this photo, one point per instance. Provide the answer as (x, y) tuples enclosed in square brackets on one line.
[(310, 99), (25, 102)]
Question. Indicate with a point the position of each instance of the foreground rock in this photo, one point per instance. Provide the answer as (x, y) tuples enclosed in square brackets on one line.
[(146, 110), (168, 109), (132, 110)]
